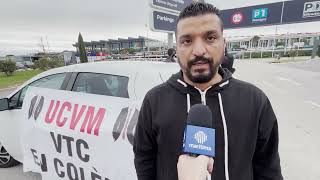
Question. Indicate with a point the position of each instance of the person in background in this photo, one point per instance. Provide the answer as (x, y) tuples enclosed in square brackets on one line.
[(171, 54), (227, 61)]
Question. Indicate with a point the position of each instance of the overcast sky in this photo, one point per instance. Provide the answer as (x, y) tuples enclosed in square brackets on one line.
[(24, 22)]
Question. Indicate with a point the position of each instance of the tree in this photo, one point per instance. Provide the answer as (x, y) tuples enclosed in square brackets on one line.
[(82, 50), (7, 66)]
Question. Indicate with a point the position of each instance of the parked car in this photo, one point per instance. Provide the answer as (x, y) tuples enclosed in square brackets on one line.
[(20, 65), (28, 64), (126, 79)]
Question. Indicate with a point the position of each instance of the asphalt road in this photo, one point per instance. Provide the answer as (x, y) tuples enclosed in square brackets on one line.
[(294, 91), (295, 95), (5, 92)]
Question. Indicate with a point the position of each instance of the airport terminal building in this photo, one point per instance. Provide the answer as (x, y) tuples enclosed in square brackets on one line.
[(114, 46), (269, 42)]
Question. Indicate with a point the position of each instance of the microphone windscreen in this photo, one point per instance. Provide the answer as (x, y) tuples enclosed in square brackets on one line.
[(200, 115)]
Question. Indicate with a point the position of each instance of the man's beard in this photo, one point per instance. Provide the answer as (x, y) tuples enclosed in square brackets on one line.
[(201, 77)]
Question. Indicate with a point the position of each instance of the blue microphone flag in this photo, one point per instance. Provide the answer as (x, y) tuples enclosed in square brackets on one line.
[(199, 140)]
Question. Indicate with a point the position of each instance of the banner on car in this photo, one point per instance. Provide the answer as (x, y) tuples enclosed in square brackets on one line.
[(72, 135)]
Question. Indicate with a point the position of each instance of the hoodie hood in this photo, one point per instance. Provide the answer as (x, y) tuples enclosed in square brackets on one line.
[(176, 81)]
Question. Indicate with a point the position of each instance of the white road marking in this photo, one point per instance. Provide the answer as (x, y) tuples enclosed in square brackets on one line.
[(290, 81), (313, 103), (279, 90)]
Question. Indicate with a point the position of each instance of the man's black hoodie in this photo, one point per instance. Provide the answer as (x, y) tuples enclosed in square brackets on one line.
[(252, 130)]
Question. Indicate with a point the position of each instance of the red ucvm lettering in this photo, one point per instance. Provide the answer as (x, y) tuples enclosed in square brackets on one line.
[(90, 121)]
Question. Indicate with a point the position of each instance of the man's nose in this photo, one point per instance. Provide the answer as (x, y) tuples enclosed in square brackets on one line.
[(199, 48)]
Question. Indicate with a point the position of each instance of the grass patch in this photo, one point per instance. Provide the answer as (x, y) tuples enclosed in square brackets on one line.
[(17, 78)]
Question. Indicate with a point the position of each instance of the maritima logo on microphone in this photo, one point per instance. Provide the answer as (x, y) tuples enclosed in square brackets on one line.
[(200, 138)]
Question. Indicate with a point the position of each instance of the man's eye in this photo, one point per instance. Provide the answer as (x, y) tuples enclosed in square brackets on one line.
[(211, 38), (186, 41)]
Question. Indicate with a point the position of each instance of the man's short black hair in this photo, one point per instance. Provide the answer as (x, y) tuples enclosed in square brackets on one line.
[(199, 8)]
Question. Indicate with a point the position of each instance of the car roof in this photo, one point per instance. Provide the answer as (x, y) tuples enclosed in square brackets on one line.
[(123, 68), (126, 68)]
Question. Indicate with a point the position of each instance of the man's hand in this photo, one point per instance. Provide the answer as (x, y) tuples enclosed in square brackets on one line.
[(194, 168)]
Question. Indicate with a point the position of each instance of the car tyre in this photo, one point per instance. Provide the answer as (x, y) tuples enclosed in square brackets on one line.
[(6, 160)]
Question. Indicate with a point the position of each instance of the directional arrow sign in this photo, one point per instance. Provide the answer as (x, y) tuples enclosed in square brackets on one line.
[(170, 5)]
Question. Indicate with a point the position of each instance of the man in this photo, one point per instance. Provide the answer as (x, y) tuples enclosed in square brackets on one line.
[(227, 61), (245, 124), (171, 53)]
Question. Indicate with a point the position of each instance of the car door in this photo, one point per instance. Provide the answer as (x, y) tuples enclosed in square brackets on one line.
[(10, 120)]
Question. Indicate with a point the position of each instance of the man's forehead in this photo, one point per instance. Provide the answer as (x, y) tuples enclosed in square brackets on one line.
[(206, 22)]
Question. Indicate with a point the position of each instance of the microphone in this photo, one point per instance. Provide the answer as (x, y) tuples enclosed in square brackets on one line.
[(199, 135), (199, 139)]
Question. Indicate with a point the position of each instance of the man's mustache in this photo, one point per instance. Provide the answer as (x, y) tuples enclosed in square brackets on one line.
[(198, 59)]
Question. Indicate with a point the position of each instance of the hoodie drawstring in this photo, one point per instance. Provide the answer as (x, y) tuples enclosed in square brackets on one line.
[(226, 143), (225, 129), (188, 102), (203, 95)]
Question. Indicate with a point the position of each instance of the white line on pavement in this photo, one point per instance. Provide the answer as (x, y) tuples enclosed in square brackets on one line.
[(279, 90), (290, 81), (313, 103)]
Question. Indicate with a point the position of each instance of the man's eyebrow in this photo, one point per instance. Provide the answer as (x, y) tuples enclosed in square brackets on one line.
[(185, 36), (211, 32)]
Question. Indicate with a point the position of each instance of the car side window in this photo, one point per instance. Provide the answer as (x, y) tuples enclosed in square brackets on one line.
[(102, 84), (14, 99), (52, 82)]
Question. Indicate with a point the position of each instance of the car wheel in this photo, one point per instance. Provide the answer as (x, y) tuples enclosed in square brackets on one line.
[(6, 160)]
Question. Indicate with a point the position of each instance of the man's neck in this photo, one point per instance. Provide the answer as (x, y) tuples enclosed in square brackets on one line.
[(203, 86)]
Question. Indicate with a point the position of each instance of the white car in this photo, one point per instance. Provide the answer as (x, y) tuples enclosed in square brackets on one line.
[(127, 79)]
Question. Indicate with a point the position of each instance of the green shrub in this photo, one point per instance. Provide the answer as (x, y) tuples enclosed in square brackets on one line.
[(305, 53), (42, 64), (45, 63), (267, 54), (7, 67), (246, 55), (256, 55), (54, 63)]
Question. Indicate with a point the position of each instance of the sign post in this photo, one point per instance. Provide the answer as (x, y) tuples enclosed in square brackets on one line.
[(174, 6)]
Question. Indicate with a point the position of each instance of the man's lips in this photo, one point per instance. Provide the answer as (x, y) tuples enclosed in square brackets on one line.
[(200, 66), (199, 63)]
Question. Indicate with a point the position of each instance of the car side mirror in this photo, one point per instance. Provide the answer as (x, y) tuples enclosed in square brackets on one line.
[(4, 104)]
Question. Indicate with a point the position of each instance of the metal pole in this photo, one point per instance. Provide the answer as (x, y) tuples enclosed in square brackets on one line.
[(170, 40), (315, 48), (275, 40)]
